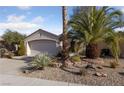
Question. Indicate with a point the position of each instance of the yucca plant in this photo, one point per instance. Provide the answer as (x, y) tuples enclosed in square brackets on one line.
[(40, 61)]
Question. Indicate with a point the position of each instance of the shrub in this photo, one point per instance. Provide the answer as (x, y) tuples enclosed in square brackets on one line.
[(22, 49), (2, 52), (83, 71), (76, 58), (113, 64), (40, 61), (5, 53)]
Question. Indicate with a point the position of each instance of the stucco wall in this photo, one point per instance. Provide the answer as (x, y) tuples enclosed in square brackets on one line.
[(122, 49)]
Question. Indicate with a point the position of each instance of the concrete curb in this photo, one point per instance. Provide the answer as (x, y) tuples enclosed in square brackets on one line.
[(12, 80)]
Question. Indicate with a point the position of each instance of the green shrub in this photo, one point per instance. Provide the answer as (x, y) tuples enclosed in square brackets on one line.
[(22, 49), (76, 58), (113, 64), (40, 61)]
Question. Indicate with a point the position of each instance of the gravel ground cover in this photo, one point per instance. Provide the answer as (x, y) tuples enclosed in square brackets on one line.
[(115, 77)]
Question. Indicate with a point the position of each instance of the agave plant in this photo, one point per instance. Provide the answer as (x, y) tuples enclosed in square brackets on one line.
[(40, 61), (94, 26)]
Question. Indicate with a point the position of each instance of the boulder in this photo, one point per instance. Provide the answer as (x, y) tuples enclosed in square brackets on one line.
[(100, 74)]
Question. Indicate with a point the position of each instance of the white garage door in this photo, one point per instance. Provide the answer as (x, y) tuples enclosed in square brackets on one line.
[(43, 46)]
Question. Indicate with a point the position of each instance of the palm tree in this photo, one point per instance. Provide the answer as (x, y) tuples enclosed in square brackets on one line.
[(64, 39), (95, 26)]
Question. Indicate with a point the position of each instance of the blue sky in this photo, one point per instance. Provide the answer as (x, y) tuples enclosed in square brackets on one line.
[(27, 19)]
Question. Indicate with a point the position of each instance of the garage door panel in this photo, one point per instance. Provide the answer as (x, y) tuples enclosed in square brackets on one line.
[(43, 46)]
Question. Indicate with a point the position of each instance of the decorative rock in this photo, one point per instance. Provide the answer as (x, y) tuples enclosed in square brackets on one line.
[(104, 75), (98, 74), (26, 71)]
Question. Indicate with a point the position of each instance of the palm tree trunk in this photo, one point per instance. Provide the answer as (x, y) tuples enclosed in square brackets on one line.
[(92, 51), (65, 43)]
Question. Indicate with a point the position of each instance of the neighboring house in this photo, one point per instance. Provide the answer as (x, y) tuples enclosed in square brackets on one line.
[(1, 42), (42, 42), (103, 46)]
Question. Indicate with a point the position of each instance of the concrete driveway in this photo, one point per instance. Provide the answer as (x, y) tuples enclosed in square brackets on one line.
[(11, 68)]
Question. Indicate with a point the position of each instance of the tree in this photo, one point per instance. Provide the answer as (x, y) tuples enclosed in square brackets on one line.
[(64, 39), (12, 40), (95, 26), (13, 37)]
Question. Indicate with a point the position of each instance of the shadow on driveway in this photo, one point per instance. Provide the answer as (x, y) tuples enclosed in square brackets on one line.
[(26, 59)]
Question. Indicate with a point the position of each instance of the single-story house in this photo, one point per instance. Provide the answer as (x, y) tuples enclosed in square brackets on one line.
[(42, 41)]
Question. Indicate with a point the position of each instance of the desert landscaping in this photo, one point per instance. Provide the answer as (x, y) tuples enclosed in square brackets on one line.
[(98, 75)]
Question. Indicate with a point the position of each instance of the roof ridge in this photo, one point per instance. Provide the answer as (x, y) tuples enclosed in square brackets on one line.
[(47, 32), (43, 31)]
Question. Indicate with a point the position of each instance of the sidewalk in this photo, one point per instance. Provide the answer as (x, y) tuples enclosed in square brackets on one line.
[(12, 80)]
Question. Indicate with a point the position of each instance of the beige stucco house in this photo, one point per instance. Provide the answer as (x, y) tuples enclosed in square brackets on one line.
[(42, 42)]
